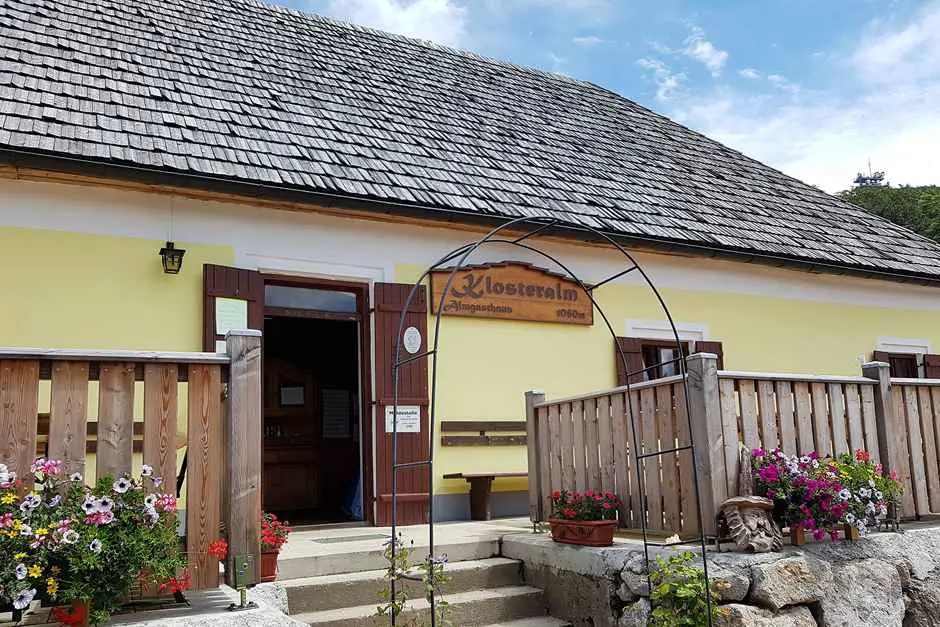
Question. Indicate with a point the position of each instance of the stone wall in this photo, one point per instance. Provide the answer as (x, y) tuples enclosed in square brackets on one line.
[(883, 580)]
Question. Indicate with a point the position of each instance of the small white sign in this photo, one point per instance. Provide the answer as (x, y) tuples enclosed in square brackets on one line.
[(230, 313), (412, 340), (409, 419)]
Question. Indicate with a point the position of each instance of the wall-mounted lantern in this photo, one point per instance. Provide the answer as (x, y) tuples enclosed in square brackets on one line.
[(172, 258)]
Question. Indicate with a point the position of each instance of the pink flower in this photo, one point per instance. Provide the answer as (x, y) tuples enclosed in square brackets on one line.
[(819, 534), (167, 502), (758, 452), (6, 520)]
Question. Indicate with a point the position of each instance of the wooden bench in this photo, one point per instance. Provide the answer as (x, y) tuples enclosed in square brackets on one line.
[(485, 433)]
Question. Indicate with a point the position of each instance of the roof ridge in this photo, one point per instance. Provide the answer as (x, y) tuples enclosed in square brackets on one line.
[(426, 43)]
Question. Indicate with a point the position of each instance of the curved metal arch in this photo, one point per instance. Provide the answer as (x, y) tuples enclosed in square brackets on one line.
[(462, 253)]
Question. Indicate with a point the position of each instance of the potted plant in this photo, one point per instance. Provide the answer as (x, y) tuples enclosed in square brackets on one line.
[(273, 536), (83, 545), (586, 519)]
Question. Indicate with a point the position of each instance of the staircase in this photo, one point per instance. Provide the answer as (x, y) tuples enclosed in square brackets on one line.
[(342, 588)]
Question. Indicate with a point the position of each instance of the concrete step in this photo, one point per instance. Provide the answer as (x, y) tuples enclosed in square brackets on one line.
[(355, 557), (327, 592), (542, 621), (468, 609)]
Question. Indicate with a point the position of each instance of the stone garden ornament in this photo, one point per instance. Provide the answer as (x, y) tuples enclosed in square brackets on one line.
[(748, 519)]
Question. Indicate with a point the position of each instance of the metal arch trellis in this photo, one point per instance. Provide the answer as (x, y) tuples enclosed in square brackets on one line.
[(462, 254)]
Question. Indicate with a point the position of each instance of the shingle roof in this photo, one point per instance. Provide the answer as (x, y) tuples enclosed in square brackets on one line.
[(253, 93)]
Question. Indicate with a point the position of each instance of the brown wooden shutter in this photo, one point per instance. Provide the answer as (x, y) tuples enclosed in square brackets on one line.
[(225, 282), (932, 366), (712, 347), (632, 349), (413, 484), (881, 356)]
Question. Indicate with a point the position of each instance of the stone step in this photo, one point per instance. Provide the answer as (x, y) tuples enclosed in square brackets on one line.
[(353, 557), (468, 609), (327, 592), (542, 621)]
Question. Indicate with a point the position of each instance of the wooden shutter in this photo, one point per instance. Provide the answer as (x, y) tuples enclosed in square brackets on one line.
[(413, 484), (632, 349), (932, 366), (881, 356), (225, 282), (712, 347)]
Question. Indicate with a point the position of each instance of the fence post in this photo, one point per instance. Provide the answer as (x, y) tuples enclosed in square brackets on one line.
[(891, 432), (243, 455), (705, 416), (536, 498)]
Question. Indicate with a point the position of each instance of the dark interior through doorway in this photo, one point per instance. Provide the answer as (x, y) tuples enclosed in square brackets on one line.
[(312, 450)]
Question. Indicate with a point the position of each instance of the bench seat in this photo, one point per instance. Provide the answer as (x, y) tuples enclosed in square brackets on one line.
[(481, 487)]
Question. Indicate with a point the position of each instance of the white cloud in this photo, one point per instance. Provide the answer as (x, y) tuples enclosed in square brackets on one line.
[(749, 72), (588, 40), (704, 51), (881, 103), (667, 81), (441, 21)]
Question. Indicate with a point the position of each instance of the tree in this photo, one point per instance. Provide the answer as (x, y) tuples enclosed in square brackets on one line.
[(916, 208)]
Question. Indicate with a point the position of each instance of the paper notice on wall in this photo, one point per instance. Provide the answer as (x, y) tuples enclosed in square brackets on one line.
[(230, 314), (335, 414), (409, 419)]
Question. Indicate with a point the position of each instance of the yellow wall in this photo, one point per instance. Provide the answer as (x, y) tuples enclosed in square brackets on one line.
[(486, 365)]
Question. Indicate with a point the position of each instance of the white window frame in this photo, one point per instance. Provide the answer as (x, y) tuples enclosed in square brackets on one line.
[(660, 330), (906, 346)]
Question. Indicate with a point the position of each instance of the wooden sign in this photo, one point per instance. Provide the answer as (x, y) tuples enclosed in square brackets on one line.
[(511, 291)]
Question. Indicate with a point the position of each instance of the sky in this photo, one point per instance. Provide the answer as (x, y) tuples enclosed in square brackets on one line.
[(815, 88)]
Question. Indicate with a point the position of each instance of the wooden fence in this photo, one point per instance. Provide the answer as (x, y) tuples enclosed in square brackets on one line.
[(222, 440), (585, 441)]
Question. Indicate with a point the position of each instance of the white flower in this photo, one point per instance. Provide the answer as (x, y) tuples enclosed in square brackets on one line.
[(815, 463), (850, 518), (122, 485), (865, 492), (95, 546), (150, 500), (20, 571), (70, 536), (844, 494), (105, 504), (107, 517), (90, 505), (146, 471), (157, 482), (878, 495), (860, 525), (24, 598), (870, 509), (26, 530), (153, 515), (75, 476), (871, 483), (805, 459), (54, 500)]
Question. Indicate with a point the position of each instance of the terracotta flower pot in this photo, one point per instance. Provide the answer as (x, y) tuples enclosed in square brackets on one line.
[(268, 566), (583, 532)]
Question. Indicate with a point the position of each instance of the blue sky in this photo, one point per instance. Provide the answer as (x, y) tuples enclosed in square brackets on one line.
[(813, 87)]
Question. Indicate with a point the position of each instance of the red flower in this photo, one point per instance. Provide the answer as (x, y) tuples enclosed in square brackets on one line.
[(74, 617), (608, 506), (218, 549), (177, 584), (556, 494), (569, 513), (862, 456)]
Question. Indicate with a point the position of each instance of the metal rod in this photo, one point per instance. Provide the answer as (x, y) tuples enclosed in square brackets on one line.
[(678, 449), (408, 360), (611, 278), (423, 462)]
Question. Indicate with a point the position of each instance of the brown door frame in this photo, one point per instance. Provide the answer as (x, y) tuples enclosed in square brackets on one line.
[(363, 315)]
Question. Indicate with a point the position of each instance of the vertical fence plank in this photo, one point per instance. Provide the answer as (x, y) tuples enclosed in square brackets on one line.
[(567, 448), (784, 393), (579, 426), (554, 429), (591, 444), (687, 500), (916, 444), (853, 413), (68, 415), (731, 441), (707, 429), (160, 418), (935, 418), (768, 415), (926, 410), (804, 418), (605, 443), (665, 423), (115, 419), (19, 400), (622, 456), (651, 471), (821, 419), (204, 472), (534, 455), (747, 396), (901, 449), (869, 417), (637, 482), (545, 462), (840, 440)]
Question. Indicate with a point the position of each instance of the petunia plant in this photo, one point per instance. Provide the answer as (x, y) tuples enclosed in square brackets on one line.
[(64, 541), (588, 505)]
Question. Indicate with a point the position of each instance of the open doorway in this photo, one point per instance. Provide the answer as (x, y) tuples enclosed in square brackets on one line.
[(312, 372)]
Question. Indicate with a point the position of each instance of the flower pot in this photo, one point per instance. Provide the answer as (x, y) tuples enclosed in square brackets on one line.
[(268, 566), (583, 532), (851, 532), (797, 536)]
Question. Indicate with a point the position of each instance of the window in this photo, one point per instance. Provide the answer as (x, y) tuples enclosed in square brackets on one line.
[(903, 365), (286, 297), (648, 359)]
